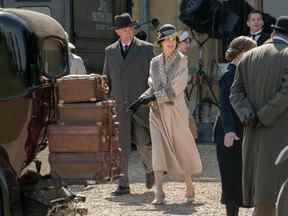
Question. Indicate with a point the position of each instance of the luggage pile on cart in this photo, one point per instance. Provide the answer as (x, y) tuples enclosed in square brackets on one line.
[(83, 145)]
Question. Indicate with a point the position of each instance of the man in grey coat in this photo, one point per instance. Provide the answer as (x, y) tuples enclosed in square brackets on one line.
[(259, 95), (126, 65)]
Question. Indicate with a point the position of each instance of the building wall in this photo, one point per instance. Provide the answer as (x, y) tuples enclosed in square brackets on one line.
[(275, 9), (167, 11), (257, 4), (269, 6)]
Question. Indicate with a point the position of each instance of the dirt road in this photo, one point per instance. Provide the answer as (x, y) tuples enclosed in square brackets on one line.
[(100, 203)]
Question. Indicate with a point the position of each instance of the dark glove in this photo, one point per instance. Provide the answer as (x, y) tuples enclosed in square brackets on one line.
[(148, 99), (140, 101), (135, 105)]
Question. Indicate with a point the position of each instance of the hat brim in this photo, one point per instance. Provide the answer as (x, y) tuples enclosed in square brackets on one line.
[(115, 27), (175, 34), (279, 28)]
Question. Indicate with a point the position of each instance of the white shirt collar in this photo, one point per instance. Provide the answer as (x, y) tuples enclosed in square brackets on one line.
[(256, 33), (123, 45)]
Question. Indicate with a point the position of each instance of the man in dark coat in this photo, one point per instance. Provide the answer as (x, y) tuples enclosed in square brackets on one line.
[(259, 96), (126, 65), (255, 24)]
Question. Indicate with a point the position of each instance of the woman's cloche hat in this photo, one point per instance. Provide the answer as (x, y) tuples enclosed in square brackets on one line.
[(167, 30)]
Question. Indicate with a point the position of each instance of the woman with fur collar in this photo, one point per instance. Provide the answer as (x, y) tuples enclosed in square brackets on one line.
[(174, 151)]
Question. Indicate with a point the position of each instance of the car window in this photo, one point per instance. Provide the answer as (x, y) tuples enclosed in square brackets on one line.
[(53, 58)]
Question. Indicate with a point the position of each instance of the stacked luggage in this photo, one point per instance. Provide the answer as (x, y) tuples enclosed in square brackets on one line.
[(83, 145)]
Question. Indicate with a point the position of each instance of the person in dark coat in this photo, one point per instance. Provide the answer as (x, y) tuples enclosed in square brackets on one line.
[(126, 65), (255, 24), (259, 95), (228, 132)]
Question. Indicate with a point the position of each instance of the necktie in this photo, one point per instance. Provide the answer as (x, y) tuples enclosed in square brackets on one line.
[(254, 36), (126, 48), (125, 51)]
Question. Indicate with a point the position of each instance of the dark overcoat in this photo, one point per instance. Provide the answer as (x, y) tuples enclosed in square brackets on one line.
[(229, 159), (263, 38), (128, 80), (261, 87)]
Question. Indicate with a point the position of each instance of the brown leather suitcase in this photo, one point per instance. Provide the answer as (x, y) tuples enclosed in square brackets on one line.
[(70, 138), (82, 88), (81, 168), (86, 113)]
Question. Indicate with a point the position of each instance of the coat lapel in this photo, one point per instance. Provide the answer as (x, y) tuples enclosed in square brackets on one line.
[(118, 55), (171, 65), (134, 51), (158, 73)]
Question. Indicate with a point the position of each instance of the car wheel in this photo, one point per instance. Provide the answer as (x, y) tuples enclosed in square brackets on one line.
[(11, 181), (1, 203)]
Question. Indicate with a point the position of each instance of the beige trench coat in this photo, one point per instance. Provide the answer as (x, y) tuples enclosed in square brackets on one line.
[(173, 146)]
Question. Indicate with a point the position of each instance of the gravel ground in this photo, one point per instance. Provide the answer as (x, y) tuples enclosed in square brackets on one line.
[(100, 203)]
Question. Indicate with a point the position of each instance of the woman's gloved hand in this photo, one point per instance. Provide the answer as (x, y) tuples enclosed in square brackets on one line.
[(144, 100)]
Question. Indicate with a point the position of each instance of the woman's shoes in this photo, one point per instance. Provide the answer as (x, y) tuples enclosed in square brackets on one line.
[(190, 195), (159, 198), (189, 199)]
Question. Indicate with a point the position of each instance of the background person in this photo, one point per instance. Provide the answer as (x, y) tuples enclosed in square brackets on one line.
[(255, 24), (259, 96), (228, 131), (76, 63), (173, 146), (127, 68), (184, 43), (184, 46)]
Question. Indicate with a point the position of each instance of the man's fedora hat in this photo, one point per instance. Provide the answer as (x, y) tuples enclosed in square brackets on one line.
[(165, 31), (122, 21), (281, 24)]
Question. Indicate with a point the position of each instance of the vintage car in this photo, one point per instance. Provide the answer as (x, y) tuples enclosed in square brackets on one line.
[(33, 53)]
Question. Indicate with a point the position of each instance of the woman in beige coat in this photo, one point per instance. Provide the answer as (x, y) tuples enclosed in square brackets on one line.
[(174, 150)]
